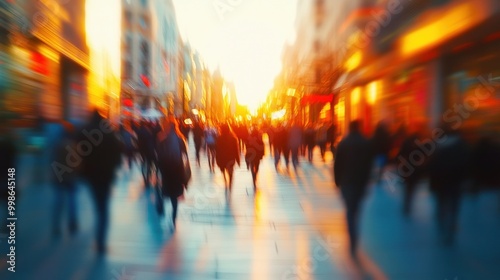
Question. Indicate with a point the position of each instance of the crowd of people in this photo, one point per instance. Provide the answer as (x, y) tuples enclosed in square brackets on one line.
[(95, 151)]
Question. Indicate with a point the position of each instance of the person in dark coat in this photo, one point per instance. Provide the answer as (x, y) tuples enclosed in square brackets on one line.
[(448, 169), (171, 153), (254, 154), (352, 168), (381, 143), (410, 155), (310, 141), (227, 154), (98, 168), (65, 183), (198, 135)]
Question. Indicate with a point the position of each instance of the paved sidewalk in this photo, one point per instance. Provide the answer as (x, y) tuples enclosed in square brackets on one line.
[(293, 228)]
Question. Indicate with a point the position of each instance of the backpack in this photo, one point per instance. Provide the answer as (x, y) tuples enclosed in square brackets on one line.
[(172, 155)]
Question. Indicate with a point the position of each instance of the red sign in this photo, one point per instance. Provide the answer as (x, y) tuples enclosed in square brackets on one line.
[(316, 98)]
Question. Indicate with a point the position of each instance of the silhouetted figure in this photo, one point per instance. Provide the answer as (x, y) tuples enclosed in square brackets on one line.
[(310, 141), (448, 168), (227, 154), (211, 140), (331, 136), (146, 143), (322, 139), (198, 134), (172, 159), (128, 139), (65, 183), (294, 143), (381, 143), (415, 162), (254, 154), (352, 171), (280, 145), (98, 168)]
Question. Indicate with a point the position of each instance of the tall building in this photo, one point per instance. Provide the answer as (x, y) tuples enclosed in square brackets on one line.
[(44, 60)]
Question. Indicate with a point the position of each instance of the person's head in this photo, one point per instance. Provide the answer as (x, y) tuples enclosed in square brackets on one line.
[(355, 126)]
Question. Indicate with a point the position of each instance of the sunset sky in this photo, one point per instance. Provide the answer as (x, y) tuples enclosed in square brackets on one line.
[(244, 37)]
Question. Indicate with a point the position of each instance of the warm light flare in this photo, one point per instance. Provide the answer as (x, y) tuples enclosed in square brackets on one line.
[(103, 27)]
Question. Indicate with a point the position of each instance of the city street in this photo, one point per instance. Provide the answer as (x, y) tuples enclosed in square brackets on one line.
[(292, 228)]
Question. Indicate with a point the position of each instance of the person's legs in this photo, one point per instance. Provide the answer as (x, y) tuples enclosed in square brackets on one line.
[(295, 157), (409, 191), (352, 216), (57, 210), (174, 209), (101, 199), (72, 207)]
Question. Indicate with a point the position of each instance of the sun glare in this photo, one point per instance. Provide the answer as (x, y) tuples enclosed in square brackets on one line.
[(246, 44)]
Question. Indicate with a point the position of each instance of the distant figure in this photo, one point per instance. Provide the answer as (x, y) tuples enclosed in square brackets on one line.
[(146, 143), (198, 135), (65, 184), (254, 154), (227, 155), (99, 167), (294, 143), (128, 139), (322, 139), (352, 171), (381, 142), (211, 139), (448, 169), (281, 145), (410, 155), (172, 163), (310, 141)]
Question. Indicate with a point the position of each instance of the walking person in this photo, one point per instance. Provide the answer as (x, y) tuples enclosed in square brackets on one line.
[(98, 168), (448, 168), (227, 154), (411, 177), (352, 171), (381, 142), (65, 184), (198, 134), (173, 163), (211, 140), (310, 141), (295, 142), (254, 154)]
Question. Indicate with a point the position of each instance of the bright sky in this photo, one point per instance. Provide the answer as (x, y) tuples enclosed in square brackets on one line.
[(244, 37)]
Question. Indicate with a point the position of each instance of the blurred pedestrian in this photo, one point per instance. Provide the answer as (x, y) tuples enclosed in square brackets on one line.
[(98, 168), (448, 168), (227, 154), (352, 171), (65, 183), (173, 163), (128, 139), (295, 142), (211, 139), (381, 143), (322, 139), (254, 154), (198, 136), (310, 141), (415, 162)]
